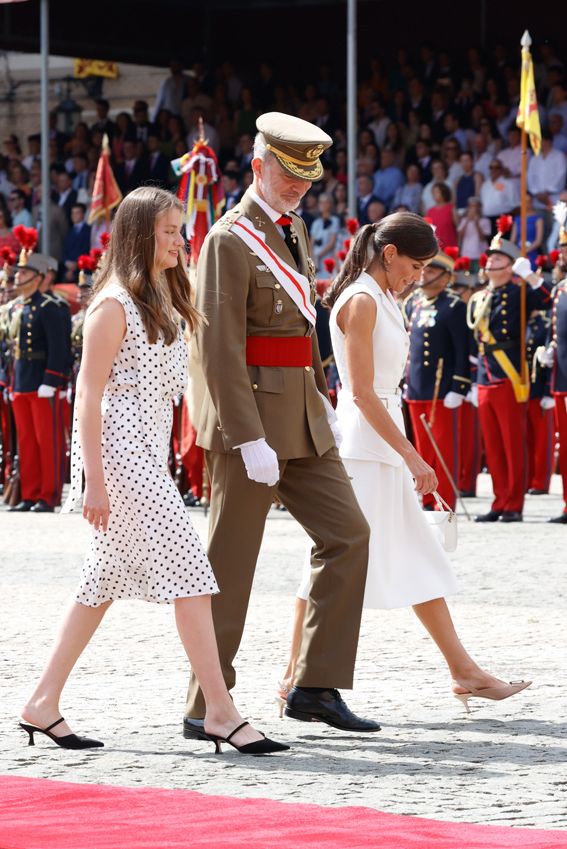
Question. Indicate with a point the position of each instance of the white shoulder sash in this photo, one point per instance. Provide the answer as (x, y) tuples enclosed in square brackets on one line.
[(295, 284)]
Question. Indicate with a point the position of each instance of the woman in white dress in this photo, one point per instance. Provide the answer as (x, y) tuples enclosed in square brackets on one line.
[(407, 565), (143, 544)]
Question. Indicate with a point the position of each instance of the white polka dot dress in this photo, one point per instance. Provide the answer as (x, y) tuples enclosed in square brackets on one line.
[(150, 550)]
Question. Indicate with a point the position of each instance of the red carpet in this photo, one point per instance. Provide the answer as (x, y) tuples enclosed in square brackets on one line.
[(39, 814)]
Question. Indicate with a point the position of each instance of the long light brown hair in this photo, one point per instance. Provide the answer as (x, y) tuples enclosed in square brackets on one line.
[(160, 296), (411, 234)]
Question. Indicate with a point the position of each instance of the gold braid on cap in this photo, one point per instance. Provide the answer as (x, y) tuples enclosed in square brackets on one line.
[(289, 158)]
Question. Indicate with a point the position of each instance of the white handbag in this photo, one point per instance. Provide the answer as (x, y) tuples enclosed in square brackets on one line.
[(443, 523)]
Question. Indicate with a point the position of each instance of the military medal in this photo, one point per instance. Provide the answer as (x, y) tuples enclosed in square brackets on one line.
[(293, 234)]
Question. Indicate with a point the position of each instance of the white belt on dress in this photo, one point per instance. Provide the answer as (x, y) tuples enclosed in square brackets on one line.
[(389, 397)]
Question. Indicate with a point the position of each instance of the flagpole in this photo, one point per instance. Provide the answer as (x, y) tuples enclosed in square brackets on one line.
[(523, 243)]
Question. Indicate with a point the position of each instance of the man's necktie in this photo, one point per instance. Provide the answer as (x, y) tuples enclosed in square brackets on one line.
[(285, 222)]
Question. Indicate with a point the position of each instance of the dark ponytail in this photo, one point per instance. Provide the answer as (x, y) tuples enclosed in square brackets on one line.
[(410, 233)]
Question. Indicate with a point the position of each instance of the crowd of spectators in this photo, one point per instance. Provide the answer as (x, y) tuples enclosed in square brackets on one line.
[(437, 136)]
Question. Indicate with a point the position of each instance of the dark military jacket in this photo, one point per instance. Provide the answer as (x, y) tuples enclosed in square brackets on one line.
[(42, 352), (502, 309), (537, 331), (438, 330), (559, 339)]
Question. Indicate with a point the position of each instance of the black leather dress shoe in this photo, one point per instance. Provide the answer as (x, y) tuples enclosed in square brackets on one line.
[(22, 507), (559, 520), (192, 726), (326, 706), (467, 493), (41, 507), (491, 516), (511, 516), (537, 492)]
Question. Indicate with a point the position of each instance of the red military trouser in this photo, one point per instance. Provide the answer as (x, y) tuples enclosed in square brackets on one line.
[(540, 446), (470, 447), (445, 432), (503, 425), (191, 455), (38, 426), (560, 411)]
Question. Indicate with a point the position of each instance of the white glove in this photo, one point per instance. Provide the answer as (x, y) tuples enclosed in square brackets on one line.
[(45, 391), (333, 420), (452, 400), (472, 395), (547, 403), (261, 462), (522, 267), (69, 394), (546, 356)]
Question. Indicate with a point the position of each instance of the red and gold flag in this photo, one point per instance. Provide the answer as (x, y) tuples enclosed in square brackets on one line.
[(106, 194)]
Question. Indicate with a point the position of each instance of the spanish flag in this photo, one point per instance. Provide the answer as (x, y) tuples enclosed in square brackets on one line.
[(106, 194), (528, 115)]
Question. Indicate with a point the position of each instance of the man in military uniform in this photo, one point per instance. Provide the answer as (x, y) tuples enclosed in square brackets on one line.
[(42, 354), (555, 358), (494, 317), (265, 423), (540, 408), (7, 430), (437, 378)]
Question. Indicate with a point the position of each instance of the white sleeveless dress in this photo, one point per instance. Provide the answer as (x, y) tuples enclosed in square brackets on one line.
[(406, 564), (150, 550)]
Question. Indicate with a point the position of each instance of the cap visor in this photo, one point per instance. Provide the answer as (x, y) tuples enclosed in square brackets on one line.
[(304, 172)]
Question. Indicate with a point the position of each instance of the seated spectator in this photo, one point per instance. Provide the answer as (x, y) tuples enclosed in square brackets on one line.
[(395, 143), (123, 130), (534, 232), (375, 211), (7, 238), (157, 165), (439, 175), (420, 155), (364, 187), (409, 195), (77, 241), (481, 156), (443, 216), (81, 170), (324, 231), (246, 114), (558, 138), (558, 103), (498, 194), (511, 156), (453, 130), (387, 179), (58, 225), (20, 178), (142, 123), (469, 183), (65, 195), (5, 185), (474, 230), (17, 205), (103, 124), (231, 188), (131, 172), (378, 121), (546, 174), (34, 151), (172, 91), (195, 99), (340, 202), (307, 209), (451, 153), (245, 152), (175, 133), (438, 110)]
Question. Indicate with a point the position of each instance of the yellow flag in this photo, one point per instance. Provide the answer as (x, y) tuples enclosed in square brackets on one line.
[(94, 68), (528, 115)]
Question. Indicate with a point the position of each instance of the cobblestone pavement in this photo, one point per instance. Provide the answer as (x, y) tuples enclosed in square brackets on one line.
[(505, 764)]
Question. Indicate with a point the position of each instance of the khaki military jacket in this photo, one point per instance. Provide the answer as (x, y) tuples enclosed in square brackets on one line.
[(240, 297)]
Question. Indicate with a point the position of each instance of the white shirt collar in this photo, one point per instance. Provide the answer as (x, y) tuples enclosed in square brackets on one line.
[(272, 213)]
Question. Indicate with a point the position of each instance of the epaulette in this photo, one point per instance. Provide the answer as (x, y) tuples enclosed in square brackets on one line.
[(453, 299), (49, 299), (228, 218)]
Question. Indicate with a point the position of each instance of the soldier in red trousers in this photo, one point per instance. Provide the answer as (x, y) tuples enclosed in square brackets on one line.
[(41, 363)]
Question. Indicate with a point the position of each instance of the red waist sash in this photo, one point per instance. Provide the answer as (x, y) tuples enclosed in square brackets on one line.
[(279, 351)]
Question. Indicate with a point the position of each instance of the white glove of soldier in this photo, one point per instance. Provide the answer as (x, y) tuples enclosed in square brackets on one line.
[(333, 420), (69, 394), (472, 395), (261, 462), (45, 391), (546, 356), (452, 400), (547, 403), (523, 268)]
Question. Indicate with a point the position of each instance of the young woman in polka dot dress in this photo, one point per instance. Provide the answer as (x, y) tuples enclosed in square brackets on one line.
[(143, 544)]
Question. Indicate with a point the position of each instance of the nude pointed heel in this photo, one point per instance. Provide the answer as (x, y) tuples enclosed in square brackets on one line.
[(281, 703), (495, 694)]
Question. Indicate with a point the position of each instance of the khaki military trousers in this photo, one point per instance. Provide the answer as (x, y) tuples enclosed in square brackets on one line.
[(317, 492)]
